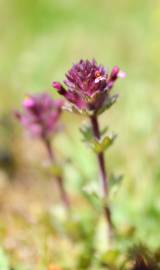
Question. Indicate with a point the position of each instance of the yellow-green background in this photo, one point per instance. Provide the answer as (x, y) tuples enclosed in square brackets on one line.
[(39, 41)]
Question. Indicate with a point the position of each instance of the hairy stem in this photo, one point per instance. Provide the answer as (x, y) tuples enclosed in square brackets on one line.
[(59, 179), (103, 175)]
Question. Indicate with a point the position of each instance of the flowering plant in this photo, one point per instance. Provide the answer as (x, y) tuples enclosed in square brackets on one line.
[(40, 116), (88, 91)]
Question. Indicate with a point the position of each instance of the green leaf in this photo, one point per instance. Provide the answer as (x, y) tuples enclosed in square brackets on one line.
[(74, 109), (110, 101), (104, 130), (110, 257), (103, 144), (87, 132), (114, 184), (115, 180), (91, 192)]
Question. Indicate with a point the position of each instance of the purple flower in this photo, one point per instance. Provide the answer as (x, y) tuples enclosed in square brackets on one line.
[(88, 86), (40, 115)]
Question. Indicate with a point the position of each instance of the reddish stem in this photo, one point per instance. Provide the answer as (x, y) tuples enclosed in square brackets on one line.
[(59, 179), (103, 175)]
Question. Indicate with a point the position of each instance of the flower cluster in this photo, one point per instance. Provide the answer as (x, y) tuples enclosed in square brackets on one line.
[(88, 86), (40, 115)]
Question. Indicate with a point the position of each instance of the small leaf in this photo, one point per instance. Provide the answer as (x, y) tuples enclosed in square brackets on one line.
[(104, 130), (101, 145), (110, 257), (115, 180), (71, 108), (87, 132), (114, 183), (110, 101), (74, 109), (91, 192)]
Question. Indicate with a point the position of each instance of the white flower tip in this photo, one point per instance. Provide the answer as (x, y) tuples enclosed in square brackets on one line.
[(122, 74)]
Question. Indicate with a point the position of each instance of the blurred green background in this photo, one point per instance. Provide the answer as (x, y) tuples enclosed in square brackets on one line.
[(41, 39)]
